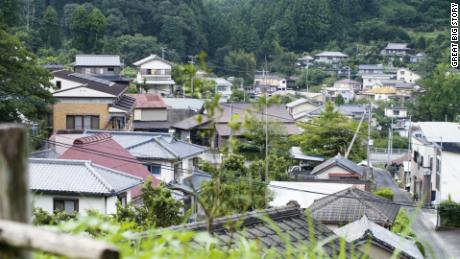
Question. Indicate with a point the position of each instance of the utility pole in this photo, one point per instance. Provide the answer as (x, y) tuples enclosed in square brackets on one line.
[(369, 139), (163, 52), (355, 135), (192, 61), (266, 132), (308, 64), (390, 142)]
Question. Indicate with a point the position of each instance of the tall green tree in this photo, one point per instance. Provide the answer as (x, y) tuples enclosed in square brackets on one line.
[(241, 64), (330, 134), (50, 31), (96, 26), (24, 87), (78, 25), (441, 97)]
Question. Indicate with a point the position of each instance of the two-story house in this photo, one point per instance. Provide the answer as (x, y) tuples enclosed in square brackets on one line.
[(223, 87), (154, 75), (370, 69), (395, 51), (87, 102), (406, 75), (330, 57), (435, 152), (106, 67), (269, 82), (372, 79), (397, 112)]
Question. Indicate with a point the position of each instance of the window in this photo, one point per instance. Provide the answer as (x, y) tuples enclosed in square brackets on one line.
[(122, 199), (154, 168), (149, 71), (111, 69), (58, 85), (118, 122), (79, 122), (221, 88), (65, 205)]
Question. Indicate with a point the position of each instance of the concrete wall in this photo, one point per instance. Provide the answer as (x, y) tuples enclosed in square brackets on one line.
[(333, 170), (61, 110), (150, 114)]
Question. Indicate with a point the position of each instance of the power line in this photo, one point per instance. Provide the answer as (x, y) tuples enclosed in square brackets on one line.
[(131, 160)]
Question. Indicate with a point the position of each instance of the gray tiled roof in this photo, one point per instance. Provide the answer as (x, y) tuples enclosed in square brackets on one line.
[(97, 60), (362, 230), (291, 221), (152, 145), (398, 46), (352, 204), (371, 66), (340, 161), (77, 176)]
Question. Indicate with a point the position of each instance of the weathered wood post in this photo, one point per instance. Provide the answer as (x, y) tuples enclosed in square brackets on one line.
[(14, 188)]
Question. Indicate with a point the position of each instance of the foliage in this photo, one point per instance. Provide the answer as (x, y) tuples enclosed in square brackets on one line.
[(449, 212), (238, 96), (441, 99), (402, 224), (339, 100), (193, 86), (50, 32), (24, 94), (42, 217), (399, 142), (159, 208), (330, 134), (386, 193), (241, 64)]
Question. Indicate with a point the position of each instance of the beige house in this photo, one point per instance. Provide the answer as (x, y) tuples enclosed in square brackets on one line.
[(154, 75), (85, 102)]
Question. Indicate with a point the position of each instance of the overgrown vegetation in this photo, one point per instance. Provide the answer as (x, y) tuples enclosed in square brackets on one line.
[(386, 193), (449, 211)]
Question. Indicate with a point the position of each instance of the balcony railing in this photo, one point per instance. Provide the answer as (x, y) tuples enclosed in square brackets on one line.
[(156, 78)]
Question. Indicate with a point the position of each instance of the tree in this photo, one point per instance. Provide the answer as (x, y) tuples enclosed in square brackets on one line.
[(159, 209), (339, 100), (50, 30), (24, 91), (241, 64), (9, 12), (441, 99), (192, 86), (96, 26), (330, 134), (78, 25)]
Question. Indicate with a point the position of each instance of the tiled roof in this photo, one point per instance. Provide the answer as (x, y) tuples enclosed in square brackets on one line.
[(125, 102), (191, 122), (148, 125), (437, 131), (103, 150), (149, 58), (78, 176), (340, 161), (297, 102), (398, 46), (97, 60), (148, 100), (150, 145), (371, 67), (363, 230), (92, 82), (291, 221), (331, 54), (351, 204)]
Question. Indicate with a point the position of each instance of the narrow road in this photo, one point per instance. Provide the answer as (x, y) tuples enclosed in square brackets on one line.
[(438, 244)]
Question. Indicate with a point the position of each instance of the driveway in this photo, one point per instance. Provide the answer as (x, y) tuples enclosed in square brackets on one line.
[(438, 244)]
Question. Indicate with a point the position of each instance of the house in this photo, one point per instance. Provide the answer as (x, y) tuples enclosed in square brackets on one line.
[(332, 93), (154, 75), (103, 150), (352, 204), (306, 191), (372, 79), (301, 105), (348, 84), (435, 152), (78, 186), (287, 222), (381, 93), (338, 167), (304, 163), (407, 76), (330, 57), (378, 242), (269, 81), (107, 67), (352, 111), (150, 113), (370, 69), (305, 61), (223, 87), (193, 128), (87, 102), (417, 57), (165, 157), (317, 97), (395, 50), (396, 112)]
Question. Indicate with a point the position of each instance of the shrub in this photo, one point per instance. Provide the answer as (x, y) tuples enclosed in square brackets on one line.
[(386, 193), (449, 211)]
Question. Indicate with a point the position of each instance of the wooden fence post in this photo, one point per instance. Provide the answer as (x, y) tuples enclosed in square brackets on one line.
[(14, 187)]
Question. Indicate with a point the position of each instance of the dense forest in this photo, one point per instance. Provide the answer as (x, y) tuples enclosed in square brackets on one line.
[(233, 33)]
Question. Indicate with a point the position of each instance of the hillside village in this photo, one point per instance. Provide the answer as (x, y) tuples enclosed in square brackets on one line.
[(356, 149)]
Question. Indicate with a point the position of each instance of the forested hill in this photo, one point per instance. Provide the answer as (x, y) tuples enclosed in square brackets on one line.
[(58, 29)]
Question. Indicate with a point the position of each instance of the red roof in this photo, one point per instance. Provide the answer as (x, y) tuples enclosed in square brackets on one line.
[(151, 100), (101, 149)]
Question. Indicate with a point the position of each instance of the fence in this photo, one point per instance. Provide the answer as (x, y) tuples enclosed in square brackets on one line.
[(17, 237)]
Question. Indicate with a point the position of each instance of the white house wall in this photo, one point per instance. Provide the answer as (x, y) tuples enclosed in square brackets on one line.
[(65, 84), (82, 92), (450, 176)]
